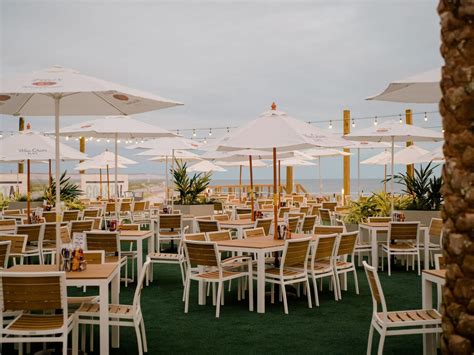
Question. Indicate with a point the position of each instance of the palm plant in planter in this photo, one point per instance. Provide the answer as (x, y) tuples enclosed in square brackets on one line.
[(70, 192), (189, 187)]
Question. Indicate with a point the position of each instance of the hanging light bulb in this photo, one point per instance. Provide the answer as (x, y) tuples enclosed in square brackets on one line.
[(77, 139), (228, 130), (1, 135), (400, 119), (194, 132), (143, 141), (353, 123), (67, 138), (375, 121), (330, 124), (426, 117), (177, 132), (98, 139), (210, 132), (108, 140), (205, 141), (118, 141), (442, 130)]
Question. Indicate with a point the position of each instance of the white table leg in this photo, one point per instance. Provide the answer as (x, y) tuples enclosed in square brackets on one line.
[(260, 281), (201, 290), (375, 247), (427, 297), (115, 294), (140, 256), (151, 243), (104, 317), (426, 246), (240, 232)]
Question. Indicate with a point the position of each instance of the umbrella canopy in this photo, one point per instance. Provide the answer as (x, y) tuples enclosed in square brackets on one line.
[(103, 160), (420, 88), (242, 155), (205, 166), (436, 155), (167, 143), (406, 156), (255, 164), (35, 146), (162, 155), (121, 127), (296, 162)]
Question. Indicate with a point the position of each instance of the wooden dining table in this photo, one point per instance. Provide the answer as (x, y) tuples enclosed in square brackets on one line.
[(428, 279), (98, 275), (139, 237)]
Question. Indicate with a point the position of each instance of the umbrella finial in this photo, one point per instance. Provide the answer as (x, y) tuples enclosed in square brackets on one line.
[(274, 106)]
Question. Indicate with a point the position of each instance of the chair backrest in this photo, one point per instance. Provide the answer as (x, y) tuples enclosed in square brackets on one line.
[(139, 206), (11, 212), (296, 252), (403, 231), (379, 219), (266, 206), (296, 214), (244, 216), (129, 227), (308, 224), (65, 235), (325, 246), (71, 215), (4, 253), (219, 235), (324, 216), (282, 211), (91, 212), (293, 224), (49, 292), (80, 226), (97, 222), (207, 226), (110, 207), (376, 291), (50, 231), (125, 206), (264, 223), (201, 253), (94, 256), (329, 206), (321, 230), (440, 261), (315, 210), (17, 242), (436, 227), (109, 242), (169, 221), (240, 210), (49, 216), (7, 225), (195, 236), (221, 217), (305, 210), (35, 232), (139, 288), (347, 244), (218, 206), (254, 233)]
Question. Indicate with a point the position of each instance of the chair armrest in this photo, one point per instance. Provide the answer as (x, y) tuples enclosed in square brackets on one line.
[(236, 258)]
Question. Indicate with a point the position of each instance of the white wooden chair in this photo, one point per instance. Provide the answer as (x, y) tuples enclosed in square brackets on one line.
[(345, 261), (17, 246), (440, 264), (170, 228), (7, 225), (265, 223), (293, 269), (35, 233), (204, 264), (4, 253), (421, 321), (435, 232), (121, 315), (403, 239), (51, 324)]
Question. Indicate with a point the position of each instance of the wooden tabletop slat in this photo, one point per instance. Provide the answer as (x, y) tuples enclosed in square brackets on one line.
[(93, 271), (133, 233)]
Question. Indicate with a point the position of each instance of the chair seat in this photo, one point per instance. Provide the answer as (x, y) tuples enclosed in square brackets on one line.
[(215, 274), (321, 267), (129, 253), (434, 246), (92, 309), (30, 249), (164, 256), (36, 322), (275, 272), (82, 299), (401, 246), (404, 318), (341, 265)]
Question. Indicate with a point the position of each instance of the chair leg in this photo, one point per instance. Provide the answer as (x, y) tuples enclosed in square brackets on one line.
[(218, 304), (272, 293), (142, 326), (83, 337), (182, 273), (356, 281), (389, 261), (139, 336), (308, 293), (334, 286), (285, 302), (419, 265), (369, 343), (65, 345), (381, 341), (316, 297), (186, 298), (250, 292)]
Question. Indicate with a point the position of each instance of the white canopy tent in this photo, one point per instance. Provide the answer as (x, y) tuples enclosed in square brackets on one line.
[(420, 89), (394, 131), (58, 91)]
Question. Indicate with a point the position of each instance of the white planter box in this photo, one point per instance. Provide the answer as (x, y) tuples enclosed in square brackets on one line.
[(196, 210), (423, 216), (18, 205)]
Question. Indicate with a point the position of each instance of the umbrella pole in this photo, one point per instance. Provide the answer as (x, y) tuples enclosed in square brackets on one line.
[(50, 171), (28, 189), (240, 183), (393, 173), (385, 178), (279, 182), (100, 182), (251, 189), (57, 98), (167, 193), (275, 207), (358, 171), (172, 172), (320, 180), (116, 167), (108, 183)]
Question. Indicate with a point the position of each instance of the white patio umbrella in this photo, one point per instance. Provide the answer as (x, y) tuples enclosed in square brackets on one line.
[(205, 166), (420, 88), (436, 155), (59, 91), (105, 160), (116, 128), (394, 131), (176, 142), (274, 130), (406, 156), (33, 146), (296, 162)]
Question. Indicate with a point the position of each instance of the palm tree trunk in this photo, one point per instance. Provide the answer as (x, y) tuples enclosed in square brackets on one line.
[(457, 109)]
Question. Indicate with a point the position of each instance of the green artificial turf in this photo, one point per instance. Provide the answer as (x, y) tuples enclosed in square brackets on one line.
[(332, 328)]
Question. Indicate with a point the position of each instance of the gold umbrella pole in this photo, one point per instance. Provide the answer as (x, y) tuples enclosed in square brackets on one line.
[(279, 183), (240, 184), (50, 170), (275, 199), (251, 188)]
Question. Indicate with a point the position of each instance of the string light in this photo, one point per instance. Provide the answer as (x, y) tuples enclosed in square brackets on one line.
[(400, 120), (228, 130), (177, 132), (210, 132), (108, 140), (77, 139), (353, 123), (143, 141), (375, 121), (426, 117), (67, 138), (118, 141), (442, 130), (98, 139), (330, 124), (205, 141), (194, 132)]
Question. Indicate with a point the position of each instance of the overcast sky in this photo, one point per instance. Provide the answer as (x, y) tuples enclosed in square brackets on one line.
[(228, 60)]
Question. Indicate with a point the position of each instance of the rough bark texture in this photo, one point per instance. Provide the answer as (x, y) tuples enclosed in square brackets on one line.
[(457, 109)]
